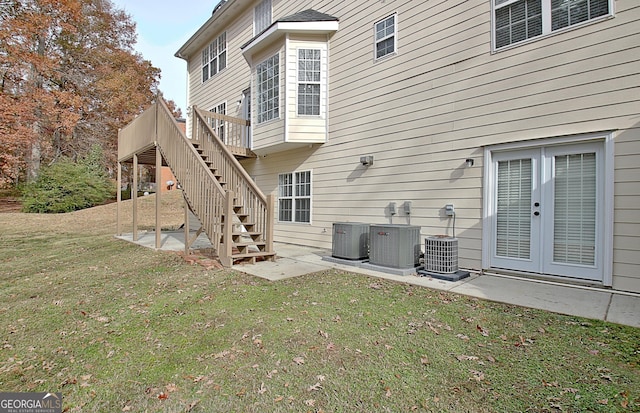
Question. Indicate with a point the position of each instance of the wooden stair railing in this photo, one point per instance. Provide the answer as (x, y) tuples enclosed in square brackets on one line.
[(237, 217), (250, 230)]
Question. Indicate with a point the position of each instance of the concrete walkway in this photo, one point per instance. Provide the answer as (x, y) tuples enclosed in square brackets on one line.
[(589, 302)]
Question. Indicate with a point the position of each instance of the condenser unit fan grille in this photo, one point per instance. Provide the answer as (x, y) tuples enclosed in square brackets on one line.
[(441, 254)]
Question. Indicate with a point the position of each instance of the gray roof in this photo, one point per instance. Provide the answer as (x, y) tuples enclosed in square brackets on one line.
[(308, 15), (304, 16)]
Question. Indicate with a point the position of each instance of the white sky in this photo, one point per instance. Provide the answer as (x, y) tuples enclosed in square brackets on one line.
[(163, 26)]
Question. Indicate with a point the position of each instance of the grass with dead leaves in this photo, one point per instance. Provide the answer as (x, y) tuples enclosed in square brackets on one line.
[(119, 328)]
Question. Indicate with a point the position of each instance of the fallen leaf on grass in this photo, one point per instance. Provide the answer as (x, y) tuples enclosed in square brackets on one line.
[(262, 389), (424, 360), (432, 328), (278, 399), (482, 330), (477, 375), (603, 401), (271, 373), (298, 360), (163, 396), (462, 337), (315, 387), (464, 357), (310, 402), (191, 406)]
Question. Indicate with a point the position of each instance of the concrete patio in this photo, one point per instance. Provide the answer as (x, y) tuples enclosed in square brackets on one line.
[(293, 261)]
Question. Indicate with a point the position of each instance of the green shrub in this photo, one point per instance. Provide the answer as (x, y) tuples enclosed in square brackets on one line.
[(67, 186)]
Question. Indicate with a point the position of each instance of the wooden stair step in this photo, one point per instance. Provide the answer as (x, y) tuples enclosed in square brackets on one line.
[(250, 244), (245, 234), (252, 254)]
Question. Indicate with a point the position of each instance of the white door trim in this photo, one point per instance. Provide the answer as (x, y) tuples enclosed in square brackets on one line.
[(607, 139)]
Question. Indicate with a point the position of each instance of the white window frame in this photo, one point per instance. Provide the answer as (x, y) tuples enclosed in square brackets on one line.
[(384, 37), (262, 16), (294, 197), (268, 108), (547, 29), (305, 82), (217, 125), (214, 57)]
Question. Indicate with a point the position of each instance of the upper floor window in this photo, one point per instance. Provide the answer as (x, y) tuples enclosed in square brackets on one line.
[(309, 82), (294, 197), (214, 57), (518, 20), (386, 33), (261, 16), (218, 125), (268, 86)]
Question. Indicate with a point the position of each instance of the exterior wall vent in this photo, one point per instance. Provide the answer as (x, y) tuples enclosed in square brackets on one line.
[(396, 246), (441, 254), (350, 240)]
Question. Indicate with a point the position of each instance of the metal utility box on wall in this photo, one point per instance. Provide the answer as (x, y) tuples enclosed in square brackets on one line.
[(396, 246), (350, 240)]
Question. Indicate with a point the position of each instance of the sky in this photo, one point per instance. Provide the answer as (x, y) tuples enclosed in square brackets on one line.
[(163, 26)]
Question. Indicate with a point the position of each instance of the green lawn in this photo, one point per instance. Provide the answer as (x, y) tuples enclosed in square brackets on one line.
[(119, 328)]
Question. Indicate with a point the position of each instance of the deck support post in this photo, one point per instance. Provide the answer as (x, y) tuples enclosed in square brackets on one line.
[(119, 201), (271, 202), (134, 197), (158, 196), (226, 248), (186, 225)]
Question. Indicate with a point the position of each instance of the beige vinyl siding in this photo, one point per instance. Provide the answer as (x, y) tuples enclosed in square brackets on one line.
[(228, 84), (626, 241), (441, 100)]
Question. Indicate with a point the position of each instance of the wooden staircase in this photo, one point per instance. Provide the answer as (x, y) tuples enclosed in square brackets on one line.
[(247, 242), (236, 216)]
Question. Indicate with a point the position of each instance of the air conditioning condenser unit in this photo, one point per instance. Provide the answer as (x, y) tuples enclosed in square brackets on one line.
[(350, 240), (393, 245), (441, 259)]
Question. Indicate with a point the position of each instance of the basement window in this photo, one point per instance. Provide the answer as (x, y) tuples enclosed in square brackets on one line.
[(294, 197)]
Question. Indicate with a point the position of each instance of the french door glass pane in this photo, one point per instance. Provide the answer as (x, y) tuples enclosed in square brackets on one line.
[(514, 187), (575, 209)]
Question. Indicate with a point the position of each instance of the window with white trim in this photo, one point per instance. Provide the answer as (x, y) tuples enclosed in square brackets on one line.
[(386, 34), (519, 20), (294, 197), (218, 125), (309, 82), (268, 86), (214, 57), (261, 17)]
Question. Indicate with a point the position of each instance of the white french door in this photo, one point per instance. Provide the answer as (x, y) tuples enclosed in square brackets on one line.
[(547, 209)]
